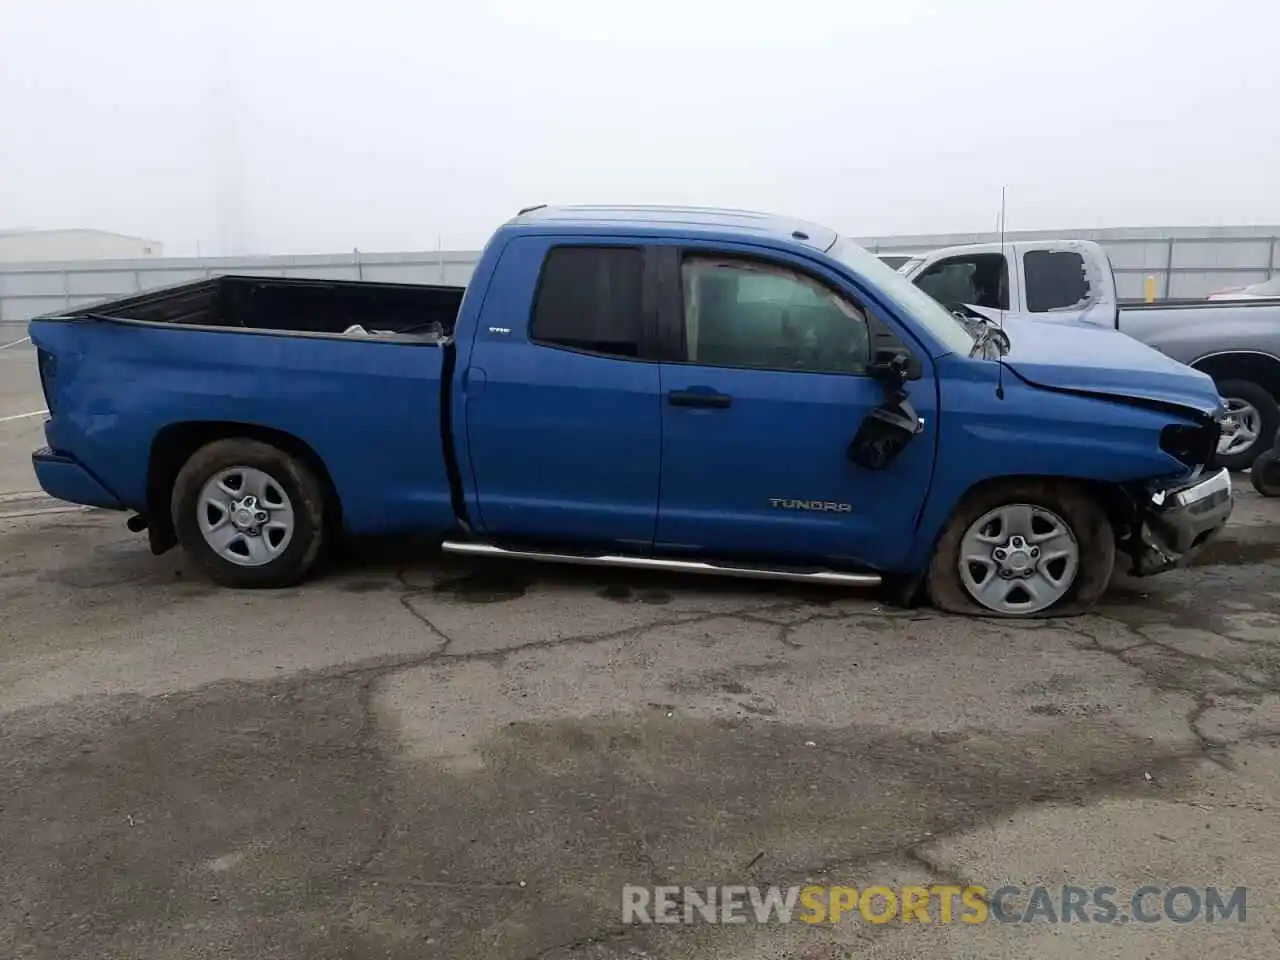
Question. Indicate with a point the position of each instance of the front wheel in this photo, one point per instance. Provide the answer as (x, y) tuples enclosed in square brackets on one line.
[(1018, 548), (248, 514)]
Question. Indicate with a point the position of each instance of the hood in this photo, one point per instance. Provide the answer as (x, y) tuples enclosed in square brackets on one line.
[(1086, 358)]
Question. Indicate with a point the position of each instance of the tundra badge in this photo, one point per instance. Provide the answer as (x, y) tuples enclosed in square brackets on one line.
[(814, 506)]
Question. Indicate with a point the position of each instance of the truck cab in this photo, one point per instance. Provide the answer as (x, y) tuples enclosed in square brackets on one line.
[(1037, 279)]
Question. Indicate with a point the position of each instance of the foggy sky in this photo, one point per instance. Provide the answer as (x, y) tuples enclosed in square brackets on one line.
[(290, 126)]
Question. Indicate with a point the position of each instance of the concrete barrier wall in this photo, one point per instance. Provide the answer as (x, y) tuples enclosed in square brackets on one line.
[(1185, 261)]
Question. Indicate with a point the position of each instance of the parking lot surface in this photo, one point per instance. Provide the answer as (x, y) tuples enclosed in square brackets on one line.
[(411, 757), (19, 395)]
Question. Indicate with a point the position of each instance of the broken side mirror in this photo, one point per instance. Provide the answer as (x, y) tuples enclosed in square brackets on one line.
[(886, 430), (894, 367), (885, 433)]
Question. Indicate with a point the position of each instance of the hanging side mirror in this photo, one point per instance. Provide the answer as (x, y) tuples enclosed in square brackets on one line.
[(885, 432), (894, 366)]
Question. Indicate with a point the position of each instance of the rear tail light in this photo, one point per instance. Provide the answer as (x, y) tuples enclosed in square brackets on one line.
[(47, 364)]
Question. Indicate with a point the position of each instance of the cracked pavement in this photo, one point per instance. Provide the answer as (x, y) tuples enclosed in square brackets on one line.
[(429, 758)]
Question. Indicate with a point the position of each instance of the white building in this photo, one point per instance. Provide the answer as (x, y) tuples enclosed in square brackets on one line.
[(43, 246)]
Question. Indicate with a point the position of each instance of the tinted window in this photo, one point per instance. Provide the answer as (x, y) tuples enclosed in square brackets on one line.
[(589, 299), (1055, 279), (981, 280), (743, 314)]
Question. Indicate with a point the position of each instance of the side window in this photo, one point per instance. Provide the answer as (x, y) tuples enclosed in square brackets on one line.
[(739, 313), (981, 279), (589, 298), (1055, 279)]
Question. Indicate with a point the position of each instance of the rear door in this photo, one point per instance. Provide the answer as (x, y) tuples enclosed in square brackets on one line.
[(765, 388), (563, 411)]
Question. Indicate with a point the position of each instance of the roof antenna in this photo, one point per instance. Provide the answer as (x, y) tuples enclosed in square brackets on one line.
[(1004, 265)]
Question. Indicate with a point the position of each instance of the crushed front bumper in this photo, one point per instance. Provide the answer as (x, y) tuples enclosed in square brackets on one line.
[(1174, 523)]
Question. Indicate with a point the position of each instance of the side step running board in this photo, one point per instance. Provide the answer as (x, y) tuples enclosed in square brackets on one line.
[(831, 577)]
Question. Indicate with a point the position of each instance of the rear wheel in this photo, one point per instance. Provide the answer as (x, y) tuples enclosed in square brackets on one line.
[(248, 514), (1253, 417), (1019, 548)]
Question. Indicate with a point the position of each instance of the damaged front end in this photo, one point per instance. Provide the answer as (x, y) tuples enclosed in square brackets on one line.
[(1175, 523), (1171, 522)]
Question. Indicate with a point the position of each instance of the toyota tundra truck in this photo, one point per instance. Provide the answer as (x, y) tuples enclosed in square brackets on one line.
[(713, 392)]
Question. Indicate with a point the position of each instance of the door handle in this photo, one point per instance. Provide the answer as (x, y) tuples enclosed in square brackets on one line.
[(699, 398)]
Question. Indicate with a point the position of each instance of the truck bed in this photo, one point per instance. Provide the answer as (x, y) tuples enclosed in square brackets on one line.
[(1150, 320), (260, 357), (293, 306), (1156, 306)]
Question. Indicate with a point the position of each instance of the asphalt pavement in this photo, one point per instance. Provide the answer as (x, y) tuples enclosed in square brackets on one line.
[(416, 757)]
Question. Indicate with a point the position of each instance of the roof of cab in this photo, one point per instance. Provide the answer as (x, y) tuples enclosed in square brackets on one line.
[(691, 221)]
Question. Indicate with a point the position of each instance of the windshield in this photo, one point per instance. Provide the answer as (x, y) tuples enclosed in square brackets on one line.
[(913, 301)]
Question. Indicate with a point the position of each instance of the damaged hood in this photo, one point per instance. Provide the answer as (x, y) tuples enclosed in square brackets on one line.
[(1080, 357)]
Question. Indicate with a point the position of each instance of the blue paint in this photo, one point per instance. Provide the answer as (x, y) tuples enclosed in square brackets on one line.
[(63, 478), (370, 410), (1084, 356), (556, 445)]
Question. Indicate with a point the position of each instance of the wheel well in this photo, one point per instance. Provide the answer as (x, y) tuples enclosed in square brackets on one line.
[(1257, 368), (175, 444), (1115, 502)]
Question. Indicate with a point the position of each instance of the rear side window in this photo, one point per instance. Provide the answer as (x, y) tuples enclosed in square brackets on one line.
[(1055, 280), (589, 299)]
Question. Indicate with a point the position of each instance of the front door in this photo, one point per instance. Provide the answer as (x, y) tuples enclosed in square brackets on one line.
[(759, 414)]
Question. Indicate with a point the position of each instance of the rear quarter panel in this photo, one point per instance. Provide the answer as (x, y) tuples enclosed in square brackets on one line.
[(370, 410)]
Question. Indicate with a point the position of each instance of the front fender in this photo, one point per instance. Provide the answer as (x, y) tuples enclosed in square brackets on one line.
[(1034, 432)]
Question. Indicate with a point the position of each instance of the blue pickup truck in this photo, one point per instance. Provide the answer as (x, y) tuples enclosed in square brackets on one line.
[(686, 389)]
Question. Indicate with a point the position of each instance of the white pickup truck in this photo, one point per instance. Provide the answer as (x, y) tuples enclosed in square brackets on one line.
[(1235, 342)]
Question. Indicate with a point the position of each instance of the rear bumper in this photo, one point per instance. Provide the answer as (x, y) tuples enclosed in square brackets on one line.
[(64, 478), (1177, 522)]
